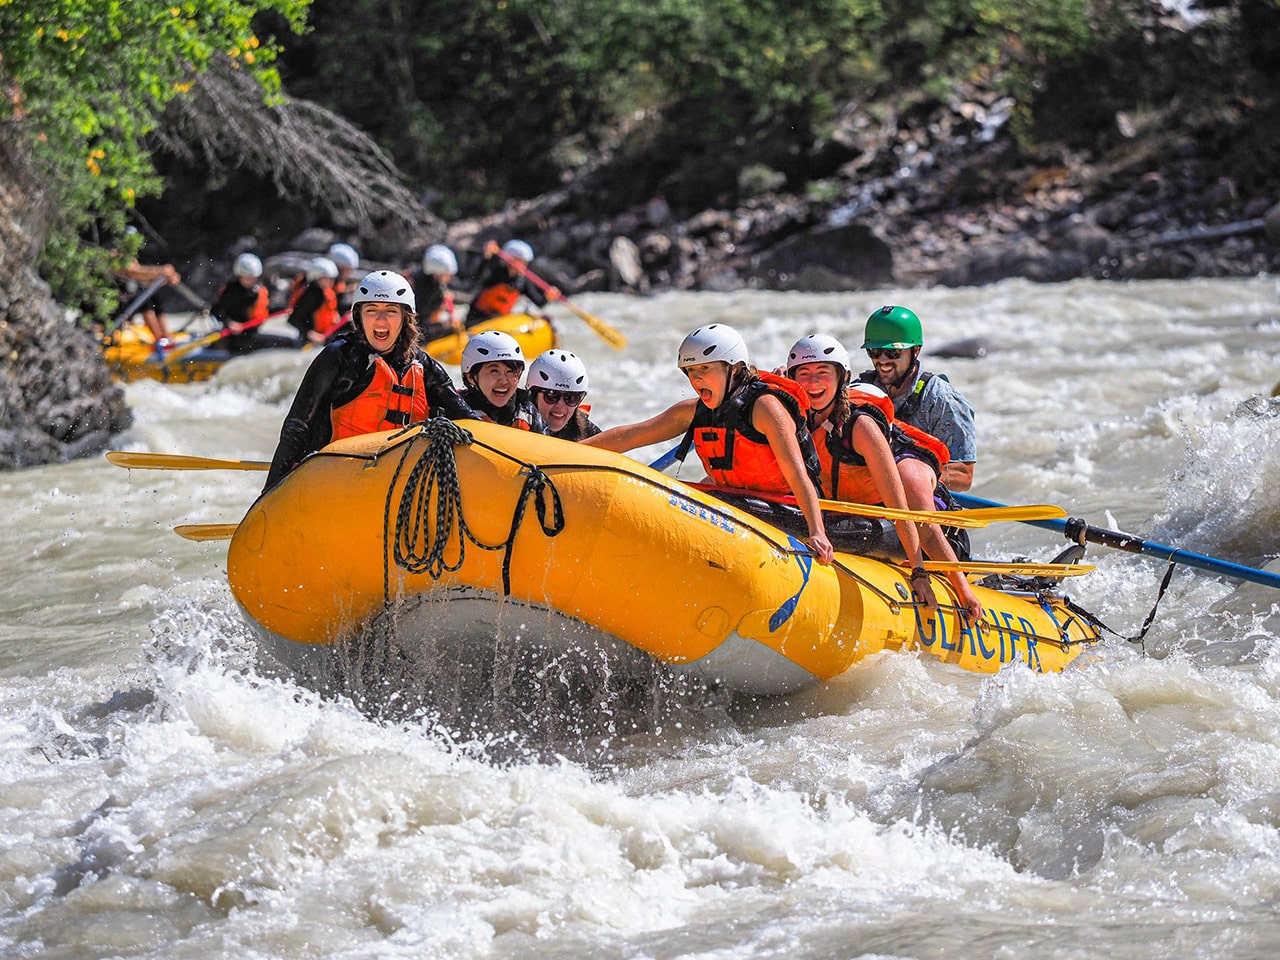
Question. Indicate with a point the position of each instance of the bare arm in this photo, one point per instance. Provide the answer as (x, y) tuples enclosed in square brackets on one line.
[(145, 273), (771, 418), (872, 446), (670, 423), (958, 476)]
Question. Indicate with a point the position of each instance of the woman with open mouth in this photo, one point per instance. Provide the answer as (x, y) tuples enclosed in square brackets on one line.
[(375, 377)]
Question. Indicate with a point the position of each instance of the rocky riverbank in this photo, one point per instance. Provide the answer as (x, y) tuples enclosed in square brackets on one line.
[(57, 400), (942, 197), (1162, 164)]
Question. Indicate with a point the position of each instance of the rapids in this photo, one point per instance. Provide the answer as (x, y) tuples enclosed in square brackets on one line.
[(162, 797)]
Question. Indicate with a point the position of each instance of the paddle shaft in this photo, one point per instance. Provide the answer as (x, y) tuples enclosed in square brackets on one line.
[(666, 460), (967, 519), (607, 333), (211, 338), (1079, 531), (131, 460), (137, 302)]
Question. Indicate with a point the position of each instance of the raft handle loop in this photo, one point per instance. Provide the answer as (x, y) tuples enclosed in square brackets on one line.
[(536, 485), (1140, 637)]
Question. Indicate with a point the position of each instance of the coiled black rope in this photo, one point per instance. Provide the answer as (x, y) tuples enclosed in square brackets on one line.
[(419, 545)]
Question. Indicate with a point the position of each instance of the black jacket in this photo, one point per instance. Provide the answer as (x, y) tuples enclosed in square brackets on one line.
[(342, 371)]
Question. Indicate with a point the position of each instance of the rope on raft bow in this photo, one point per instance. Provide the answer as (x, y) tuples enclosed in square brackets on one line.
[(420, 545)]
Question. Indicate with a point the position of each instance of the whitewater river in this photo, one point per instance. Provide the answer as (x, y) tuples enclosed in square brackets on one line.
[(161, 797)]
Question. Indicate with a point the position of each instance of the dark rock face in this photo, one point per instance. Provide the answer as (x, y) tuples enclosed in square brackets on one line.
[(57, 400), (1140, 170)]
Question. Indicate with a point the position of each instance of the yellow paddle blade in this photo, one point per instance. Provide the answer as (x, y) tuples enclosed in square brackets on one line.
[(1020, 569), (1026, 511), (608, 334), (206, 531), (967, 519), (952, 518), (175, 461)]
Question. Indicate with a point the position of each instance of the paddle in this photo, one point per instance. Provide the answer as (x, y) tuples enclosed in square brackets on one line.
[(175, 461), (951, 518), (192, 346), (608, 334), (136, 302), (1079, 532), (1022, 569), (666, 460), (190, 295), (201, 532)]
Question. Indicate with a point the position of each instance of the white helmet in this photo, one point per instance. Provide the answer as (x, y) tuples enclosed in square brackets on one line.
[(384, 286), (344, 255), (488, 346), (715, 341), (558, 370), (247, 265), (322, 267), (519, 250), (438, 259), (818, 348)]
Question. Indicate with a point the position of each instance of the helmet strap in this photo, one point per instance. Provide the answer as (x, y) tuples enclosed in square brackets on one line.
[(911, 371)]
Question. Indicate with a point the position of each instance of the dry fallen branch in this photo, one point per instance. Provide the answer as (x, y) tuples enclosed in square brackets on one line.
[(309, 152)]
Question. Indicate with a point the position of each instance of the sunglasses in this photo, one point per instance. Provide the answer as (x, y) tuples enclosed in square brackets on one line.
[(875, 353), (570, 397)]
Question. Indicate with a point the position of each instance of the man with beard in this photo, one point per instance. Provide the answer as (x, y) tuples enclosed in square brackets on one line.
[(892, 339)]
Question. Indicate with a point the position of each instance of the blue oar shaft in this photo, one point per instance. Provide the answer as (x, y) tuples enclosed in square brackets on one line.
[(666, 460), (1132, 544)]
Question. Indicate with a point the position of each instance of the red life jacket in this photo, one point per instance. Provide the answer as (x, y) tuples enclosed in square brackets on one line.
[(736, 454), (388, 403), (844, 472), (495, 301), (445, 314)]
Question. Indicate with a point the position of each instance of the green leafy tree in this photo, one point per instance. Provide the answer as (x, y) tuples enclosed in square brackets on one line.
[(84, 83)]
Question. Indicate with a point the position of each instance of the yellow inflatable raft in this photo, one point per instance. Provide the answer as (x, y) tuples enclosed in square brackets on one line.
[(534, 334), (130, 353), (472, 528)]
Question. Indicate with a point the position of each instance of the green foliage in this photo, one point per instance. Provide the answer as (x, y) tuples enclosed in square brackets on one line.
[(473, 98), (84, 83)]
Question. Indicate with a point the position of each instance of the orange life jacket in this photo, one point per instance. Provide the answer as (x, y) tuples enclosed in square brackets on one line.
[(388, 403), (295, 291), (736, 454), (258, 311), (844, 472), (327, 319), (497, 300)]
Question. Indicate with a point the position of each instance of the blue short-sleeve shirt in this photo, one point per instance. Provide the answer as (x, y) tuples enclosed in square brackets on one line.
[(943, 412)]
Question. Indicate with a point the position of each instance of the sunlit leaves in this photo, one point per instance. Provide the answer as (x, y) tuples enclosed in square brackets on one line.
[(85, 81)]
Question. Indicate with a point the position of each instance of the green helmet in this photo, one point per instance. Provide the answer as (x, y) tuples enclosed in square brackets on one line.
[(892, 328)]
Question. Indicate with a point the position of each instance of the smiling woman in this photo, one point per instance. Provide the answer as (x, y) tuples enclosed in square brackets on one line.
[(747, 427), (375, 377)]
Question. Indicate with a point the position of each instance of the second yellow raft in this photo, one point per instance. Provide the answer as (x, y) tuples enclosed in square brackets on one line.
[(535, 335)]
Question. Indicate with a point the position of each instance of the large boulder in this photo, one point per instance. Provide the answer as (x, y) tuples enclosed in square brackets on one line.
[(57, 400), (825, 260)]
